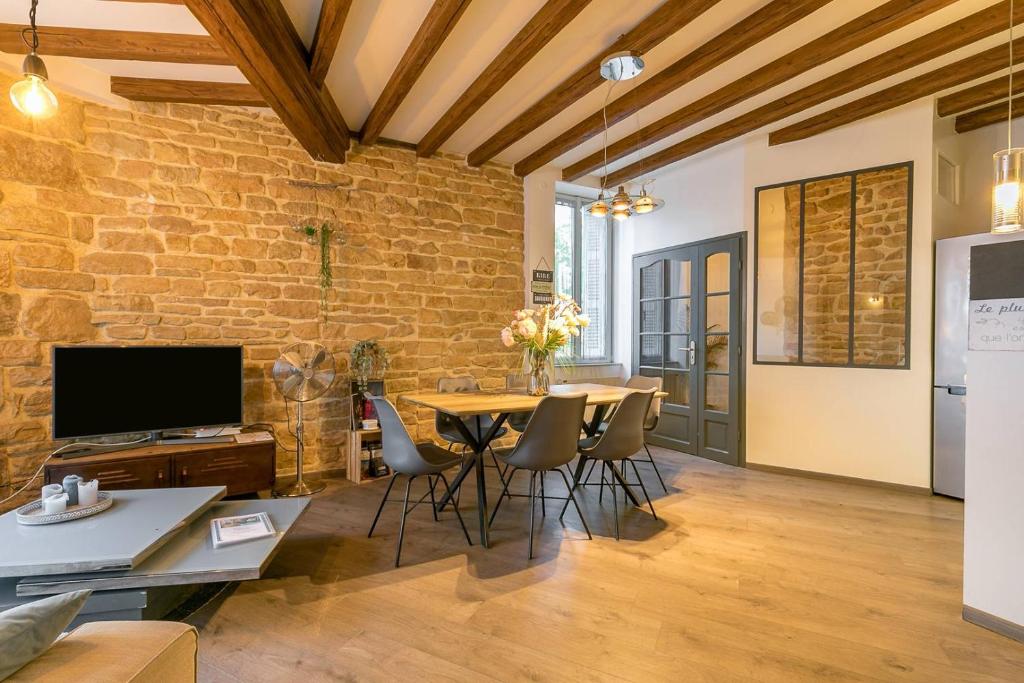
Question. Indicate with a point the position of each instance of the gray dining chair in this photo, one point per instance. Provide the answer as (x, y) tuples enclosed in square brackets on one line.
[(622, 439), (650, 420), (411, 460), (548, 444)]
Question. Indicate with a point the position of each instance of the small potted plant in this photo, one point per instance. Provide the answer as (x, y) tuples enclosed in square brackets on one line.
[(541, 332), (370, 360)]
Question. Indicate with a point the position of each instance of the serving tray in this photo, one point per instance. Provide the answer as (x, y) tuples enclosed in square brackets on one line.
[(32, 513)]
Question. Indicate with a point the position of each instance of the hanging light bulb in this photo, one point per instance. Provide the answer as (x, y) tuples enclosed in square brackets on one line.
[(597, 208), (1007, 194), (621, 200), (1007, 197), (31, 96), (645, 203)]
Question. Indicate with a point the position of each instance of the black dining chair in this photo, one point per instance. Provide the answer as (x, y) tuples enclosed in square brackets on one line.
[(411, 460), (622, 439), (650, 421), (548, 443)]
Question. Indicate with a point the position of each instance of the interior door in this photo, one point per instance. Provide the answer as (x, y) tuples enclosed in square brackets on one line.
[(666, 345), (688, 322)]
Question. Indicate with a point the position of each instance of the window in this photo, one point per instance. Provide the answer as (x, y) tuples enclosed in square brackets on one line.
[(832, 270), (583, 248)]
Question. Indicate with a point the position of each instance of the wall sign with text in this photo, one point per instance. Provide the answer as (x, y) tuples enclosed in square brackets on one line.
[(996, 325), (542, 286)]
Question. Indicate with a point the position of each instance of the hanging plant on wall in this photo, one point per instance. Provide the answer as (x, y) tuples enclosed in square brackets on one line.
[(321, 235)]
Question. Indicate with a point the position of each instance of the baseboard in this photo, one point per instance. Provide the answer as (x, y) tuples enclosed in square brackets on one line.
[(906, 488), (284, 479), (994, 623)]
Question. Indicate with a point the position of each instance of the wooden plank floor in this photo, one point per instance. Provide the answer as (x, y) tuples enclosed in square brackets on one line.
[(746, 576)]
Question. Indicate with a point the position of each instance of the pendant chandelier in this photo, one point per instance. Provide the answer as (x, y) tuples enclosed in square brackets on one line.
[(620, 66), (31, 96), (1007, 195)]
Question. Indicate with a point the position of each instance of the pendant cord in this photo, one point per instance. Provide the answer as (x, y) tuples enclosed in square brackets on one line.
[(1009, 105), (604, 115), (34, 43)]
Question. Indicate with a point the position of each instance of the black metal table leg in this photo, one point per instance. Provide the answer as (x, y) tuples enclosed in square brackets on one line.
[(478, 443)]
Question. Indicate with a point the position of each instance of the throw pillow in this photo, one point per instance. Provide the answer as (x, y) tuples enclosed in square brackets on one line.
[(26, 631)]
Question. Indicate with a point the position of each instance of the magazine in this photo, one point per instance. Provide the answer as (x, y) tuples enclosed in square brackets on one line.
[(230, 530)]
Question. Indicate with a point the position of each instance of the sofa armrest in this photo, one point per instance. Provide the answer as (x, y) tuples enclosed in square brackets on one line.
[(109, 651)]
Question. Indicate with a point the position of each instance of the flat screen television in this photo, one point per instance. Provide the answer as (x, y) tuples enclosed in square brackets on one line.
[(102, 390)]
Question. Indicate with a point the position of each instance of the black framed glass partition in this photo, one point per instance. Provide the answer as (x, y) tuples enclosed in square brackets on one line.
[(832, 269)]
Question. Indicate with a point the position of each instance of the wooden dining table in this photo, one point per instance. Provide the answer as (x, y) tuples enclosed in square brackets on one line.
[(470, 406)]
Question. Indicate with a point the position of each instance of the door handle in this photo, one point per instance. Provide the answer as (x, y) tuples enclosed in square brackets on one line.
[(693, 352), (953, 389)]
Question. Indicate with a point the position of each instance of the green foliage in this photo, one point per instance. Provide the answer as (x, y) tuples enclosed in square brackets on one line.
[(369, 361)]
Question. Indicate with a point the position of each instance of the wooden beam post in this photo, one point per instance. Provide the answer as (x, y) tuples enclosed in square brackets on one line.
[(436, 26), (544, 26), (94, 43), (325, 40), (648, 33), (755, 27), (980, 118), (850, 36), (981, 24), (191, 92), (979, 95), (261, 39)]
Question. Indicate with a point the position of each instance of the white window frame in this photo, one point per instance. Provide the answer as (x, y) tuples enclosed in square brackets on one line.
[(577, 203)]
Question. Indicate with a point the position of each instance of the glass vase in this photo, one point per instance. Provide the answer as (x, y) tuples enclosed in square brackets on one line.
[(538, 368)]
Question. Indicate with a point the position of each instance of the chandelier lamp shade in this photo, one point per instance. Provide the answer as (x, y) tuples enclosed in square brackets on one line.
[(1007, 197), (1007, 190), (31, 96)]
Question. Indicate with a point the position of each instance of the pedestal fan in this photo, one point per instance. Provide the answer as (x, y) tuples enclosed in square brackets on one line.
[(303, 372)]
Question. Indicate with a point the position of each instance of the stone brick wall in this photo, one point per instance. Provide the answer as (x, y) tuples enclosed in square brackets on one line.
[(173, 224), (827, 271), (880, 278)]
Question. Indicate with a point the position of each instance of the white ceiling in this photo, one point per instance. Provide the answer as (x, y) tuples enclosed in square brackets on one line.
[(377, 33)]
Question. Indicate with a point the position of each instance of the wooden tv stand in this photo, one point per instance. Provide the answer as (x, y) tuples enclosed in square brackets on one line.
[(242, 468)]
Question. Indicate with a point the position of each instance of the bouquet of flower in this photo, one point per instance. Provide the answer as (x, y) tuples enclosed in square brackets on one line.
[(541, 332)]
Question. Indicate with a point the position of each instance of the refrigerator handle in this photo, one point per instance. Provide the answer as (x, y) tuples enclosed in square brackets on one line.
[(953, 389)]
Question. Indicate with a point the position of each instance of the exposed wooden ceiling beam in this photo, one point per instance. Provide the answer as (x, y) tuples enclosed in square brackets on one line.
[(92, 43), (987, 116), (263, 43), (850, 36), (979, 95), (545, 25), (749, 31), (439, 22), (192, 92), (949, 76), (986, 22), (325, 40), (649, 32), (154, 2)]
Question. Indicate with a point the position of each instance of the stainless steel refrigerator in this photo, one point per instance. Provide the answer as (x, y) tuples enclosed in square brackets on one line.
[(950, 385)]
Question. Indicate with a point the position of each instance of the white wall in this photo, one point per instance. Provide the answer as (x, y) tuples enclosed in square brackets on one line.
[(872, 424), (539, 217), (994, 509)]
